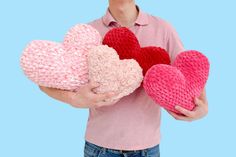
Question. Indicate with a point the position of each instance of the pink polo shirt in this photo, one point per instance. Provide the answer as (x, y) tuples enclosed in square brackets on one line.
[(133, 123)]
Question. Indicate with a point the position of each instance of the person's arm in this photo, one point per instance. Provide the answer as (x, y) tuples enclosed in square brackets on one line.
[(175, 47), (83, 98), (198, 112)]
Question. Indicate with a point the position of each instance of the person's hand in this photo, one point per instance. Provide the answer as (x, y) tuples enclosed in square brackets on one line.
[(198, 112), (85, 97)]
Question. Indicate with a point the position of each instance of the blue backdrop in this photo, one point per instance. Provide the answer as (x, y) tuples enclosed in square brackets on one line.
[(34, 125)]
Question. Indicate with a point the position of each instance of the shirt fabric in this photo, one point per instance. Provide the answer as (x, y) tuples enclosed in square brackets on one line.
[(133, 123)]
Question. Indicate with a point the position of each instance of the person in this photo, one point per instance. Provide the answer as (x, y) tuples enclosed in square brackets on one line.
[(130, 127)]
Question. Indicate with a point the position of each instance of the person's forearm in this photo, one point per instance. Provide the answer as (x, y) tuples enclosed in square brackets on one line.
[(84, 97), (64, 96)]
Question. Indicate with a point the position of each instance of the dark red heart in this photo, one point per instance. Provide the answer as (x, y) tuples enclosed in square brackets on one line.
[(127, 46)]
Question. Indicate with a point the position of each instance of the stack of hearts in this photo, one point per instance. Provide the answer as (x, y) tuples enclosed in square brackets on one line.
[(168, 85), (80, 58), (118, 64)]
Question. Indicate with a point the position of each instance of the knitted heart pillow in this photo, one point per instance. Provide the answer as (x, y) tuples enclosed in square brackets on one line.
[(178, 84), (79, 58), (126, 44), (61, 65), (113, 74)]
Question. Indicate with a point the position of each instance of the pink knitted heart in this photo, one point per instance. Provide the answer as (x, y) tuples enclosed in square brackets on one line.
[(61, 65), (113, 74), (180, 83)]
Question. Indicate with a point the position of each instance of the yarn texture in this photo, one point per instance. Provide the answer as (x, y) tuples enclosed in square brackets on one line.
[(178, 84), (127, 46), (79, 58), (113, 74), (61, 65)]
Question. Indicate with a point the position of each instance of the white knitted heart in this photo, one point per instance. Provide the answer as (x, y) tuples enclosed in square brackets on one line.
[(113, 74)]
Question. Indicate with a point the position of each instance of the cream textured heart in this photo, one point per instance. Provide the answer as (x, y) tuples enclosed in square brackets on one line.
[(78, 59), (113, 74)]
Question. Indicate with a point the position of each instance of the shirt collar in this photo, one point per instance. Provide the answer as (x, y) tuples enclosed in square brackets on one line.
[(141, 20)]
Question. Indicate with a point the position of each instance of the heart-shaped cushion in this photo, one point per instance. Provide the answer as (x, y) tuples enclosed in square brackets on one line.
[(113, 74), (127, 46), (61, 65), (178, 84)]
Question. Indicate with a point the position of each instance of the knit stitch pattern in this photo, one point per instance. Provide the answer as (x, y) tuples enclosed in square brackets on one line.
[(113, 75), (127, 46), (79, 58), (61, 65), (178, 84)]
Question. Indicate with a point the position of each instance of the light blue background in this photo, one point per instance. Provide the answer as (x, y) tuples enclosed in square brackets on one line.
[(34, 125)]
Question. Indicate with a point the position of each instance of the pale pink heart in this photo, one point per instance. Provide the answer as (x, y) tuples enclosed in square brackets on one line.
[(61, 65), (113, 74)]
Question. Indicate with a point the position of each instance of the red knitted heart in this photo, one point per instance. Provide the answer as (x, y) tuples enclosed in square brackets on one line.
[(178, 84), (128, 47)]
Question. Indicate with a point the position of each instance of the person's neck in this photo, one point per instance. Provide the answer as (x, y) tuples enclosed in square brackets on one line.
[(125, 13)]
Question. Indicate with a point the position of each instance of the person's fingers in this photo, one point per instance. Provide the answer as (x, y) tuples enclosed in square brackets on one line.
[(179, 117), (198, 102), (92, 84), (86, 88), (106, 103), (102, 103), (171, 113), (184, 111), (203, 94), (104, 96), (183, 118)]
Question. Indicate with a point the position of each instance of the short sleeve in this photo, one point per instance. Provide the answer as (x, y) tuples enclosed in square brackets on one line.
[(174, 44)]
